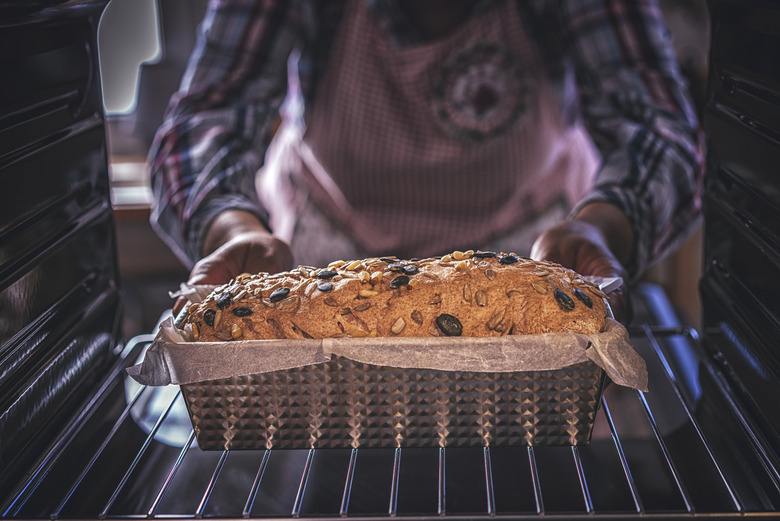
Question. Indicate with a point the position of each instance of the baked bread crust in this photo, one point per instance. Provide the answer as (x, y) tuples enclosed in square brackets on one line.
[(473, 294)]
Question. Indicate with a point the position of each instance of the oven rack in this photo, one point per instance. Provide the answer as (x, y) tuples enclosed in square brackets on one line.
[(682, 450)]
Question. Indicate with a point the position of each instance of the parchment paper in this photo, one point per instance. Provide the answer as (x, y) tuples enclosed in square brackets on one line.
[(172, 360)]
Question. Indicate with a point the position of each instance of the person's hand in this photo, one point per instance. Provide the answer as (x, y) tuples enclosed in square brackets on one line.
[(598, 241), (237, 243)]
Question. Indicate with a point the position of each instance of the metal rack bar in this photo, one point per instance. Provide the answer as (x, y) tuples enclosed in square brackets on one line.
[(491, 498), (344, 507), (296, 510), (171, 473), (441, 502), (250, 500), (691, 333), (392, 508), (665, 451), (583, 482), (98, 452), (535, 480), (622, 455), (138, 456), (212, 483)]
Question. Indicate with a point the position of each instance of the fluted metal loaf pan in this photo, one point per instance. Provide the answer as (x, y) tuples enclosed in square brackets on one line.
[(346, 404)]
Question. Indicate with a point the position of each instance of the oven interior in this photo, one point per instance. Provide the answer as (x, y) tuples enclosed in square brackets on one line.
[(78, 439)]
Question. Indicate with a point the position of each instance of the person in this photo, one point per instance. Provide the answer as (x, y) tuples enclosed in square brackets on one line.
[(308, 131)]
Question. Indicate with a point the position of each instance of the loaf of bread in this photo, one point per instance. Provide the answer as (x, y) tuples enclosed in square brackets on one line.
[(468, 293)]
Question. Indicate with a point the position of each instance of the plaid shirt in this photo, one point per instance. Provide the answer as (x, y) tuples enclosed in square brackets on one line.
[(611, 61)]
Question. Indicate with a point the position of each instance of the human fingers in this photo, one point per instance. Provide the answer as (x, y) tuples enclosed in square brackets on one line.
[(247, 253), (582, 247)]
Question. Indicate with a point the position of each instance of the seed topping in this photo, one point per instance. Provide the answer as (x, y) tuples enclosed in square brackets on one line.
[(208, 317), (222, 335), (400, 280), (224, 299), (467, 293), (355, 266), (398, 326), (325, 287), (236, 332), (508, 259), (495, 321), (483, 254), (410, 269), (242, 311), (583, 297), (291, 304), (564, 300), (326, 274), (279, 294), (449, 325)]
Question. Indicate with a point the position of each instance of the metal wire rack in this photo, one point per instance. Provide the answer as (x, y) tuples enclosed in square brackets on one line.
[(681, 450)]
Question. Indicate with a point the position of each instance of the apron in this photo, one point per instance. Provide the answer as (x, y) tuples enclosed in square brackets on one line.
[(458, 143)]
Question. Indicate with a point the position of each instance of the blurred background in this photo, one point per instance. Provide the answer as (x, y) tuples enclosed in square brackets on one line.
[(144, 46)]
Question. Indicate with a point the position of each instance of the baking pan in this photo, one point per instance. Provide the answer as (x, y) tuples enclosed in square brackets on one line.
[(527, 390), (342, 403)]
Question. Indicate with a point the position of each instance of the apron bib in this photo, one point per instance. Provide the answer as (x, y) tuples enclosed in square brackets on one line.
[(446, 145)]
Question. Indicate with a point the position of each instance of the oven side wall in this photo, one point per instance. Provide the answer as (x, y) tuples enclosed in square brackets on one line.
[(740, 288), (59, 290)]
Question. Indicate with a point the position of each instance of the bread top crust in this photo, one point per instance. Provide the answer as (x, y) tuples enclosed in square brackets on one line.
[(473, 294)]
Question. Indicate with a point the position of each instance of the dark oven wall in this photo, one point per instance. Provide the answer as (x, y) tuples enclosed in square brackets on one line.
[(741, 285), (59, 298)]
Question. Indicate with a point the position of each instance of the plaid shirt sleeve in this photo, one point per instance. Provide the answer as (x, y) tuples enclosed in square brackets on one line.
[(205, 155), (635, 106)]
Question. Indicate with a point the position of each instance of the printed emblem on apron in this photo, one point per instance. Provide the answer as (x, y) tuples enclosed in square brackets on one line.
[(482, 92)]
